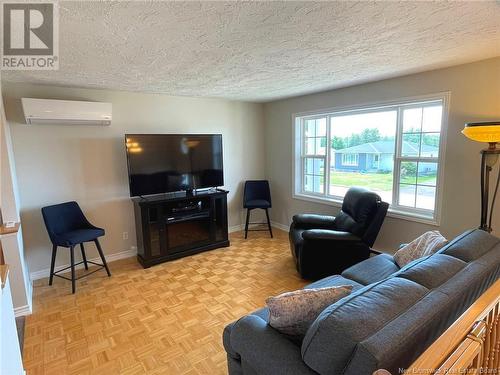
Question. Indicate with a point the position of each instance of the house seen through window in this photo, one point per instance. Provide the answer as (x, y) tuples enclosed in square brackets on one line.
[(392, 150)]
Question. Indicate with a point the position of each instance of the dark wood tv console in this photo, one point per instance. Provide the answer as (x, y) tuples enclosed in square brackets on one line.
[(175, 225)]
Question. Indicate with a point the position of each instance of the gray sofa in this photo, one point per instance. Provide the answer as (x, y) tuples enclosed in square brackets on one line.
[(388, 320)]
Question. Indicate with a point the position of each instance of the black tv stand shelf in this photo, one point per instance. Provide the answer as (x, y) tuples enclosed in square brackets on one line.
[(174, 225)]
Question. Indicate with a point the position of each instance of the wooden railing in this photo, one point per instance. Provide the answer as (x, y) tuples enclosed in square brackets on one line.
[(4, 269), (471, 345), (3, 232), (2, 259)]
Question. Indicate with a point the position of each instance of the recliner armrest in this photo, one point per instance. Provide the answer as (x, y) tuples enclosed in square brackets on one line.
[(329, 252), (313, 221), (265, 350), (329, 235)]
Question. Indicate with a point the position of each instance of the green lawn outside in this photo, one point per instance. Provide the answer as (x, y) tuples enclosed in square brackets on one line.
[(377, 181)]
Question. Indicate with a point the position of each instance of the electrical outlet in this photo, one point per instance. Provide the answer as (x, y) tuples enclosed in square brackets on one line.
[(125, 235)]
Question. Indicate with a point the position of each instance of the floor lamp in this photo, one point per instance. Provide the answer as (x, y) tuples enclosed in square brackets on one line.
[(486, 132)]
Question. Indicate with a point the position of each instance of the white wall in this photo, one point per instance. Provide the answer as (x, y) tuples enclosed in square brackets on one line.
[(475, 96), (85, 163), (12, 244), (88, 164)]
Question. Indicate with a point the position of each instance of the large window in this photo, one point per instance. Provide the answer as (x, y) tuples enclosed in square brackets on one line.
[(393, 150)]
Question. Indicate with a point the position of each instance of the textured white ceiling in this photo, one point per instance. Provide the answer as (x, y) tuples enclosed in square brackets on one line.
[(261, 51)]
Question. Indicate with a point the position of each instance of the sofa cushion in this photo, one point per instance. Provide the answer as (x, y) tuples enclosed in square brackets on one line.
[(265, 351), (401, 340), (432, 271), (226, 334), (470, 245), (335, 280), (491, 258), (372, 270), (473, 280), (226, 341), (428, 318), (262, 313), (334, 336)]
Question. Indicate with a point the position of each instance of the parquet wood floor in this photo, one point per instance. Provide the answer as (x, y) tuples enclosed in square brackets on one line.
[(167, 319)]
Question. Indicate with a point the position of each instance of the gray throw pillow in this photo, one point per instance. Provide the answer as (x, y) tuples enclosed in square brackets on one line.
[(292, 313), (424, 245)]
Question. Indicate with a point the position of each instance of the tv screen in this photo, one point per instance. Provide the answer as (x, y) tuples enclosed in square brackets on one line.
[(161, 163)]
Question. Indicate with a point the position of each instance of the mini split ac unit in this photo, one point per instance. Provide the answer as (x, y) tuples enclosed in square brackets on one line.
[(65, 112)]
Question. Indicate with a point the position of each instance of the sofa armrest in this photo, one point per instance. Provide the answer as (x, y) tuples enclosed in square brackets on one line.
[(311, 221), (266, 350), (329, 235)]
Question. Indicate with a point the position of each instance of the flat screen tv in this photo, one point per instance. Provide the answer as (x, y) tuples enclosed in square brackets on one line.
[(162, 163)]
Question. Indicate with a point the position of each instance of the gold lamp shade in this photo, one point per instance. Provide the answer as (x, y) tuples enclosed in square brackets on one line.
[(488, 132)]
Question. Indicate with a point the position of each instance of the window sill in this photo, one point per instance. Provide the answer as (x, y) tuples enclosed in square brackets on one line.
[(397, 214)]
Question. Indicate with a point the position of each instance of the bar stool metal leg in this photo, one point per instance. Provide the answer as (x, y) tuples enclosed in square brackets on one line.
[(246, 223), (269, 223), (99, 249), (73, 278), (52, 263), (84, 257)]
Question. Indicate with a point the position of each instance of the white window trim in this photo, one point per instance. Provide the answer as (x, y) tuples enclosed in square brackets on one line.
[(303, 155), (349, 163), (411, 214)]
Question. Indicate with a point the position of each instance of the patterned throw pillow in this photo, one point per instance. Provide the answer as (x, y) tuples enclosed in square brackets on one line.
[(427, 244), (292, 313)]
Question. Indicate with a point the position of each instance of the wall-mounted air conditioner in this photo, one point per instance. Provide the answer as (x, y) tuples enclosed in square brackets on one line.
[(66, 112)]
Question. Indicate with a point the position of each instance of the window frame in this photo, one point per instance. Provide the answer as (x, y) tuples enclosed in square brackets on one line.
[(350, 164), (304, 155), (432, 217)]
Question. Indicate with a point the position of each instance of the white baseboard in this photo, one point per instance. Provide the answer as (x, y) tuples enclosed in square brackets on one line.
[(29, 297), (41, 274), (285, 228), (22, 311), (236, 228)]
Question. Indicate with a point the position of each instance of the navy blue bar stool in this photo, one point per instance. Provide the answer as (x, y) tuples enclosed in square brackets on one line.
[(68, 227), (257, 195)]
